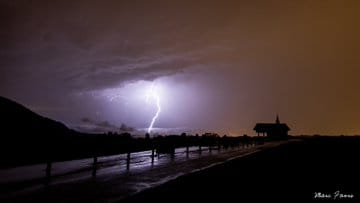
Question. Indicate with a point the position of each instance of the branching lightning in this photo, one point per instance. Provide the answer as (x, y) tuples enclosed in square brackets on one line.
[(153, 93), (130, 95)]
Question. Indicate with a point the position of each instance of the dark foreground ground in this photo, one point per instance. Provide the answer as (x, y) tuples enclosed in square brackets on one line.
[(326, 166)]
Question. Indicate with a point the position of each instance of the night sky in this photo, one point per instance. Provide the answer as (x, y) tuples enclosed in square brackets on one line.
[(217, 65)]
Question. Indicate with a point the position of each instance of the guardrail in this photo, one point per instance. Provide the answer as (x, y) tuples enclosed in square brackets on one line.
[(130, 158), (46, 172)]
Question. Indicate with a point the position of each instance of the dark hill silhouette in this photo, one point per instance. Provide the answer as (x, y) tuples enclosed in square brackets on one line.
[(17, 120), (27, 137)]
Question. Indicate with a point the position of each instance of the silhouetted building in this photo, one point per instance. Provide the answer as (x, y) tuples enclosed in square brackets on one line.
[(274, 130)]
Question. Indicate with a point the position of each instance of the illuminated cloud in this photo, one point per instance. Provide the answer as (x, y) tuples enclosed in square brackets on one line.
[(231, 63)]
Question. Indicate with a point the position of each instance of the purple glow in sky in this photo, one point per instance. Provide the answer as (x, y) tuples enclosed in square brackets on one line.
[(222, 65), (137, 104)]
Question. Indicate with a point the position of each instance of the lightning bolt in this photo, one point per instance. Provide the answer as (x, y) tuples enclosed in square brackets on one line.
[(154, 94)]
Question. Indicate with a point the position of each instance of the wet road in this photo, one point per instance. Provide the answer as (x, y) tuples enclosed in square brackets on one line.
[(72, 181)]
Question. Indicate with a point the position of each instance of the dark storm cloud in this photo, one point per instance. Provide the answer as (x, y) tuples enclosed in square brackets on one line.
[(77, 46), (296, 58), (91, 126), (85, 45), (105, 74), (126, 128)]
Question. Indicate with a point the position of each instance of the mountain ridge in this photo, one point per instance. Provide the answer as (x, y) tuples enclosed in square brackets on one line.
[(17, 119)]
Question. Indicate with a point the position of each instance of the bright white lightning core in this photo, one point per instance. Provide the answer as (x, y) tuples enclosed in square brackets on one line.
[(154, 94)]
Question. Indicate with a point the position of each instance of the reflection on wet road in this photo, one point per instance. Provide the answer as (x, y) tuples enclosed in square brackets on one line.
[(73, 181)]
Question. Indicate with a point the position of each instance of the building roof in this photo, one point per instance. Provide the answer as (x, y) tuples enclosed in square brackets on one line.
[(265, 127)]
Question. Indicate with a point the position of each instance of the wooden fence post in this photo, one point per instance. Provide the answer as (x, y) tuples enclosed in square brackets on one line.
[(172, 155), (152, 155), (128, 161), (48, 172), (94, 168), (187, 151)]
